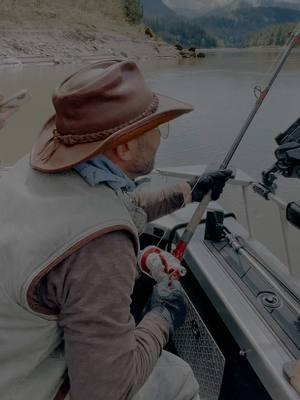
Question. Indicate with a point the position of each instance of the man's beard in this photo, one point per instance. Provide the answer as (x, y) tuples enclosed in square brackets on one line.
[(143, 166), (145, 160)]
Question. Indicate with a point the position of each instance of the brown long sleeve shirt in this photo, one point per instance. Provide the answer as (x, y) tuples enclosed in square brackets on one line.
[(107, 355)]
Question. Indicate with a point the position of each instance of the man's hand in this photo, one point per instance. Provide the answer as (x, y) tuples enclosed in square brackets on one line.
[(212, 181), (168, 299), (12, 104), (157, 263)]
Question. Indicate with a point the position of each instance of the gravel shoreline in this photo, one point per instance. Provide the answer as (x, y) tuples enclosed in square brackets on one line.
[(65, 31), (57, 46)]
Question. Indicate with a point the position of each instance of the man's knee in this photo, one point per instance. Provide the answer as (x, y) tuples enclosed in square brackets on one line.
[(171, 379)]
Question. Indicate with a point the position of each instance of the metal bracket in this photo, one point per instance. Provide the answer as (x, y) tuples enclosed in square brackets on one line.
[(262, 190)]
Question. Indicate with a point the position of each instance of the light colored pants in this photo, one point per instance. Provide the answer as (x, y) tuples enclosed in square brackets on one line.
[(171, 379)]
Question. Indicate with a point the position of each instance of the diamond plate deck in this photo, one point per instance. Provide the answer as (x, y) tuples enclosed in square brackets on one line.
[(197, 347)]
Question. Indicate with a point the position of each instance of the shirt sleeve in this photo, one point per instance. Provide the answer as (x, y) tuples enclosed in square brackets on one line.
[(107, 355), (164, 201)]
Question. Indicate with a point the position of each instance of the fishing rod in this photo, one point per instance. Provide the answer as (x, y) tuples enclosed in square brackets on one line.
[(8, 106), (179, 251), (15, 100)]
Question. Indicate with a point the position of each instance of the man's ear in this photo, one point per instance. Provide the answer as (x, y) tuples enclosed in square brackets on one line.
[(123, 151), (128, 151)]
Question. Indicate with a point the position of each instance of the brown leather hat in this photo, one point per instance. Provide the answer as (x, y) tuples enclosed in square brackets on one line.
[(97, 108)]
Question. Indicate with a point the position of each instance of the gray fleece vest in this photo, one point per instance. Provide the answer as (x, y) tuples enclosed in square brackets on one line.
[(43, 219)]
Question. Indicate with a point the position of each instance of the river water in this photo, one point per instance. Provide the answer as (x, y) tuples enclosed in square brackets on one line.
[(220, 87)]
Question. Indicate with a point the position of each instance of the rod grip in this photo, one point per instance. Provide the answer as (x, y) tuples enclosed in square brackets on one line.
[(198, 214), (192, 226)]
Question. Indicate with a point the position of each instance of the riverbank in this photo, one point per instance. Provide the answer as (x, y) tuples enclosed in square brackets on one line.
[(39, 35), (42, 46)]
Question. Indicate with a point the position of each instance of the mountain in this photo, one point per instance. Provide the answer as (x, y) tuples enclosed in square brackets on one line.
[(195, 8), (219, 8), (174, 28), (230, 24), (157, 8), (182, 31), (275, 35), (233, 26), (258, 5)]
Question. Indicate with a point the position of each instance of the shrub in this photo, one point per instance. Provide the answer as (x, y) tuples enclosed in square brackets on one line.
[(133, 11)]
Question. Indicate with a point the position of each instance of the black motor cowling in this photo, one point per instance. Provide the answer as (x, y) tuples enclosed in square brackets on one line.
[(287, 156)]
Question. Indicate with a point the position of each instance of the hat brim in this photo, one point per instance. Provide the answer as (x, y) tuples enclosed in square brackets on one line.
[(66, 157)]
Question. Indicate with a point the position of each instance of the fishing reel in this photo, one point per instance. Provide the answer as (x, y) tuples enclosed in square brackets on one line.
[(157, 263), (287, 155)]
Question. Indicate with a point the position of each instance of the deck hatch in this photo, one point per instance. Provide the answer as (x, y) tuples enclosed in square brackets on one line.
[(283, 319)]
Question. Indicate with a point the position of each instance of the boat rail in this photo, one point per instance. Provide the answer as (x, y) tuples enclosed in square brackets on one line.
[(248, 199)]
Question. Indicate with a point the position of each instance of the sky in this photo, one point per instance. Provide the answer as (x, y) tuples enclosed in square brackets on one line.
[(198, 4)]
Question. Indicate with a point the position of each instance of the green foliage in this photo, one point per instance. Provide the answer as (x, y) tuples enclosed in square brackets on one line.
[(231, 28), (234, 28), (181, 30), (133, 11), (275, 35)]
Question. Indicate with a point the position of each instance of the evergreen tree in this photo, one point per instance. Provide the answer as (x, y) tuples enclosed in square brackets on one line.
[(180, 30)]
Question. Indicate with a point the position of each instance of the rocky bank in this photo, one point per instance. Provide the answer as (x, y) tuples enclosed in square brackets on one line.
[(41, 35)]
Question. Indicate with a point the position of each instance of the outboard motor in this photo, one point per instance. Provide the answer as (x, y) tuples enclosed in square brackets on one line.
[(287, 165)]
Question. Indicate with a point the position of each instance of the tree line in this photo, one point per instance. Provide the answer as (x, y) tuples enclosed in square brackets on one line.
[(276, 35), (180, 30), (209, 32)]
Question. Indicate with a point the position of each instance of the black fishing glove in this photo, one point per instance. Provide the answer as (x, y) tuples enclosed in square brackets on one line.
[(168, 300), (211, 181)]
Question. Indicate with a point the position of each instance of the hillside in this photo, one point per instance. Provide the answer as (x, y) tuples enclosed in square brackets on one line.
[(196, 8), (156, 8), (183, 31), (91, 13), (234, 27), (229, 26), (275, 35), (66, 30), (174, 28)]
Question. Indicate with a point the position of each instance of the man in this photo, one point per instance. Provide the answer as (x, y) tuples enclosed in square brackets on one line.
[(69, 246)]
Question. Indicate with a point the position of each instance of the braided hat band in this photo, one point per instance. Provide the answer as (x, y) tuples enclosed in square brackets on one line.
[(70, 139), (96, 108)]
